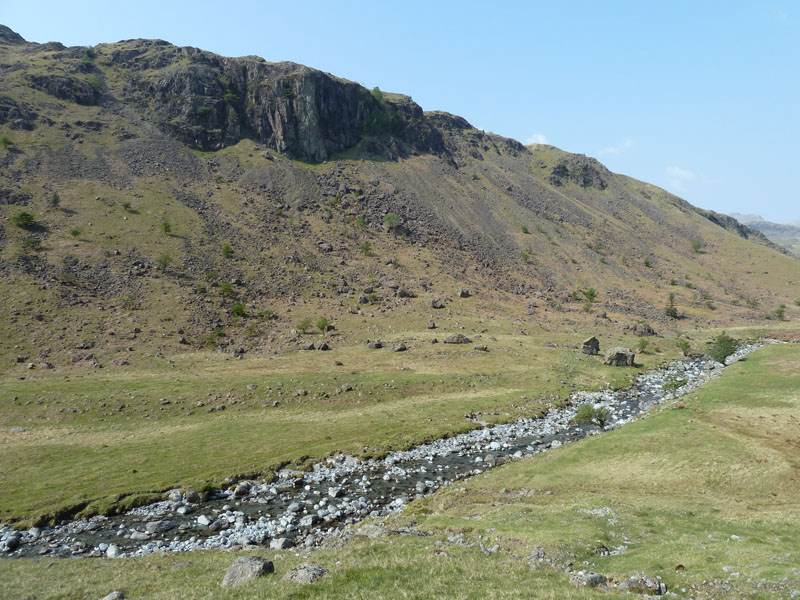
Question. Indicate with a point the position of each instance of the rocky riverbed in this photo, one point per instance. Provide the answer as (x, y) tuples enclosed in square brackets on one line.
[(309, 508)]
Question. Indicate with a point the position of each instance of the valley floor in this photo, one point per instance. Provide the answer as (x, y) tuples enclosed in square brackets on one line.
[(701, 493)]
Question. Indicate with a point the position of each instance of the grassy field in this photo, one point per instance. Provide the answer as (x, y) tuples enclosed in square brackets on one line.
[(96, 440), (702, 494)]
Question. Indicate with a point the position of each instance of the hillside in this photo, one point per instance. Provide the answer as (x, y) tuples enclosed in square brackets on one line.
[(169, 184), (783, 234)]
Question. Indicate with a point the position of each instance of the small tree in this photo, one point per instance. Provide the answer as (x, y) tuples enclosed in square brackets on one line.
[(126, 206), (647, 263), (55, 200), (74, 232), (670, 309), (323, 324), (366, 249), (304, 325), (227, 251), (24, 219), (723, 347), (166, 227), (587, 413), (164, 261), (696, 245), (525, 230), (590, 294), (238, 310), (780, 312), (642, 345), (684, 346), (392, 221), (226, 289)]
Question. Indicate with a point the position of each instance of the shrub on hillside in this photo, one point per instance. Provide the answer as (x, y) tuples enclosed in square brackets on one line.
[(24, 219), (587, 413), (723, 347)]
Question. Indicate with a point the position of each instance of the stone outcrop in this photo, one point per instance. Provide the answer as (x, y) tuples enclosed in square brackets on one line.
[(591, 346), (619, 357)]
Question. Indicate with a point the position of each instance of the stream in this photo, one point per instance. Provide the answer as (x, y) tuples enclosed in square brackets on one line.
[(304, 508)]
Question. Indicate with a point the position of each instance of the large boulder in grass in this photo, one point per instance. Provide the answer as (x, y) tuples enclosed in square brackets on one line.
[(591, 346), (644, 585), (642, 329), (457, 338), (247, 568), (305, 573), (587, 579), (619, 357)]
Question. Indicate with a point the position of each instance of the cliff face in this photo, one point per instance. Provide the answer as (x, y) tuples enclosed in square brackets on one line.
[(209, 102)]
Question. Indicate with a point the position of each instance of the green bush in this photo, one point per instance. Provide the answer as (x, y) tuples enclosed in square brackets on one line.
[(126, 206), (525, 230), (6, 142), (670, 309), (587, 413), (392, 221), (696, 245), (238, 310), (166, 227), (366, 249), (55, 200), (323, 324), (780, 312), (24, 219), (361, 221), (590, 294), (164, 261), (32, 243), (684, 346), (647, 263), (227, 251), (723, 347), (226, 289), (304, 325), (642, 345)]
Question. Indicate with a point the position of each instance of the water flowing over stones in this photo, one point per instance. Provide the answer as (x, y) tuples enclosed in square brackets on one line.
[(307, 508)]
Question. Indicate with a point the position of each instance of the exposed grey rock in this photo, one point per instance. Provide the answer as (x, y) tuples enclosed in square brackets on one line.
[(399, 348), (114, 596), (588, 579), (619, 357), (463, 293), (321, 346), (430, 325), (642, 329), (305, 573), (435, 303), (247, 568), (481, 347), (643, 584), (376, 345), (192, 496), (457, 338), (158, 526), (591, 346), (281, 543), (45, 365), (404, 293), (113, 551)]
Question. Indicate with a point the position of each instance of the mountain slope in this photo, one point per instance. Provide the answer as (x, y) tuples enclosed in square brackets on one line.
[(187, 183), (784, 234)]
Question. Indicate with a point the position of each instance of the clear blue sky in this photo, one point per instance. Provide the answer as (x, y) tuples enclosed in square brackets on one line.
[(702, 98)]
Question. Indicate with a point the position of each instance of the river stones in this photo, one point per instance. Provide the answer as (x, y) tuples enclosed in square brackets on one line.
[(247, 568)]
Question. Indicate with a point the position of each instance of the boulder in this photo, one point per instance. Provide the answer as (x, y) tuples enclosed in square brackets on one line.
[(280, 543), (481, 347), (591, 346), (588, 579), (305, 573), (619, 357), (642, 329), (321, 346), (640, 583), (399, 348), (430, 325), (435, 303), (376, 345), (115, 595), (457, 338), (463, 293), (247, 568), (404, 293)]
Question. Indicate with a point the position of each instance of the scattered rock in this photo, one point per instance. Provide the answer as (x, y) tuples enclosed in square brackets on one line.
[(45, 365), (588, 579), (280, 543), (591, 346), (321, 346), (399, 348), (404, 293), (481, 347), (305, 573), (247, 568), (435, 303), (113, 551), (642, 584), (463, 293), (376, 345), (114, 596), (457, 338), (619, 357), (430, 325), (642, 329)]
